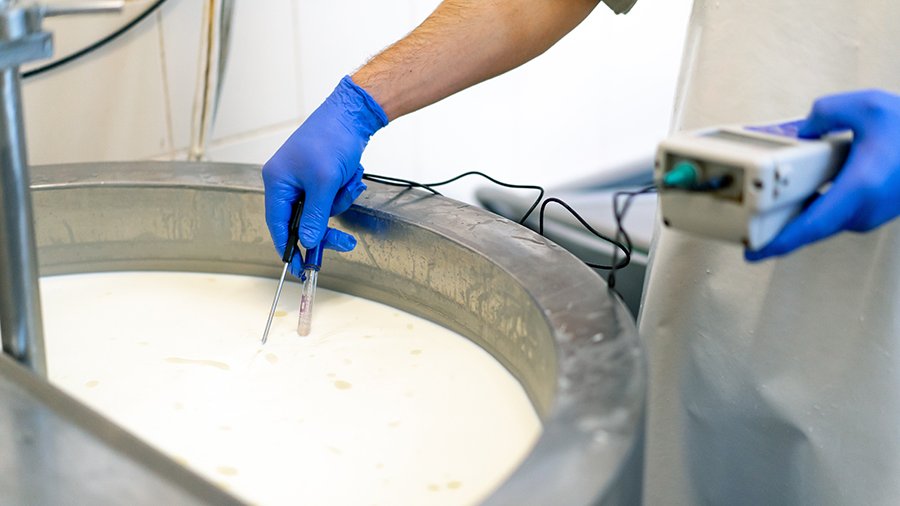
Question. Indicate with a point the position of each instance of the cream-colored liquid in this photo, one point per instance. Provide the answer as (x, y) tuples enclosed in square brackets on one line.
[(375, 407)]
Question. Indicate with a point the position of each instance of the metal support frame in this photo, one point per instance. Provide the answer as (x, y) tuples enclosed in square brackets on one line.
[(20, 302), (22, 40)]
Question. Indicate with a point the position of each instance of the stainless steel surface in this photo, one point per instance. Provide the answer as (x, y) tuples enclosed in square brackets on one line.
[(20, 306), (54, 450), (22, 40), (594, 202), (31, 47), (94, 7), (532, 305), (265, 336)]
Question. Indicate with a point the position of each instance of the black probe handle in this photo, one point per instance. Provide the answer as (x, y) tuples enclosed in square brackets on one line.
[(293, 231)]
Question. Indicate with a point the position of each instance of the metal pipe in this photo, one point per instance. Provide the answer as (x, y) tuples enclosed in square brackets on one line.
[(20, 305), (20, 302), (95, 7), (214, 47)]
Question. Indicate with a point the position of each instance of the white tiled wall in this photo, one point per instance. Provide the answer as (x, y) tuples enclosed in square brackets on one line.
[(261, 82), (180, 30), (109, 105), (602, 96)]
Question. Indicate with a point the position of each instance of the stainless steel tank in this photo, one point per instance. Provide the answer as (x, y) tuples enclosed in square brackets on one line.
[(536, 308)]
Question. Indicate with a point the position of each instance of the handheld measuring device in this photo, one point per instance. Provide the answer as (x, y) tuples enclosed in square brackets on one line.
[(743, 184), (311, 265)]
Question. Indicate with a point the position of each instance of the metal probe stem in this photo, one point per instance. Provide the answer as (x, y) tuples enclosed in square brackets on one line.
[(286, 257), (275, 303)]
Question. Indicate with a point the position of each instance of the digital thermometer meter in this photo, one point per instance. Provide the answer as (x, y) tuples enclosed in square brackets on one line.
[(742, 184)]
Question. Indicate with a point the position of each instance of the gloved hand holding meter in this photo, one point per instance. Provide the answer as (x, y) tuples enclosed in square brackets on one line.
[(760, 185), (775, 188)]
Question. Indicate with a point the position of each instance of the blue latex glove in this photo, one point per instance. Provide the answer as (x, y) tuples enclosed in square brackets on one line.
[(321, 161), (866, 192)]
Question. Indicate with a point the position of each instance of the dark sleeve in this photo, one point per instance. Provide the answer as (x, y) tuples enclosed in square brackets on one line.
[(620, 6)]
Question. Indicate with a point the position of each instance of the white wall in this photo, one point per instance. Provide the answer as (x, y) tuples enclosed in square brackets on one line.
[(601, 97)]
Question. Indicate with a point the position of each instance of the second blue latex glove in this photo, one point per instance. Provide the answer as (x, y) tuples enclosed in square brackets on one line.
[(320, 163), (866, 192)]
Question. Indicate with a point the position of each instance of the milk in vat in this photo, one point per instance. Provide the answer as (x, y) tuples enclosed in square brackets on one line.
[(375, 407)]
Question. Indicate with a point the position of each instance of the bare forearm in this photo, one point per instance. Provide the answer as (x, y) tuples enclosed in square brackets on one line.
[(464, 42)]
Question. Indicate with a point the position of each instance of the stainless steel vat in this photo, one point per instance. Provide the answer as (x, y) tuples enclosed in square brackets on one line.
[(536, 308)]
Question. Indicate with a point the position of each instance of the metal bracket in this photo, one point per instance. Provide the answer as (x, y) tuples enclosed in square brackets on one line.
[(28, 48)]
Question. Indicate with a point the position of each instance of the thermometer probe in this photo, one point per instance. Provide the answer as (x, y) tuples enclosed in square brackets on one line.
[(293, 237), (311, 266)]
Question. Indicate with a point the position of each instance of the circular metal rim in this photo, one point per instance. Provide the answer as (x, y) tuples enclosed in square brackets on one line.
[(589, 451)]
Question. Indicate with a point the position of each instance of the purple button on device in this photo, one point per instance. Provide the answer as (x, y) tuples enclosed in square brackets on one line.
[(789, 129)]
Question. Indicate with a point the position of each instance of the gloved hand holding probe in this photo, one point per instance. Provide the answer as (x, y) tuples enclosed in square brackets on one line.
[(320, 161), (866, 192)]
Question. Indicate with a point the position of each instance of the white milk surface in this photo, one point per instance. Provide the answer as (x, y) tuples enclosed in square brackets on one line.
[(375, 407)]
